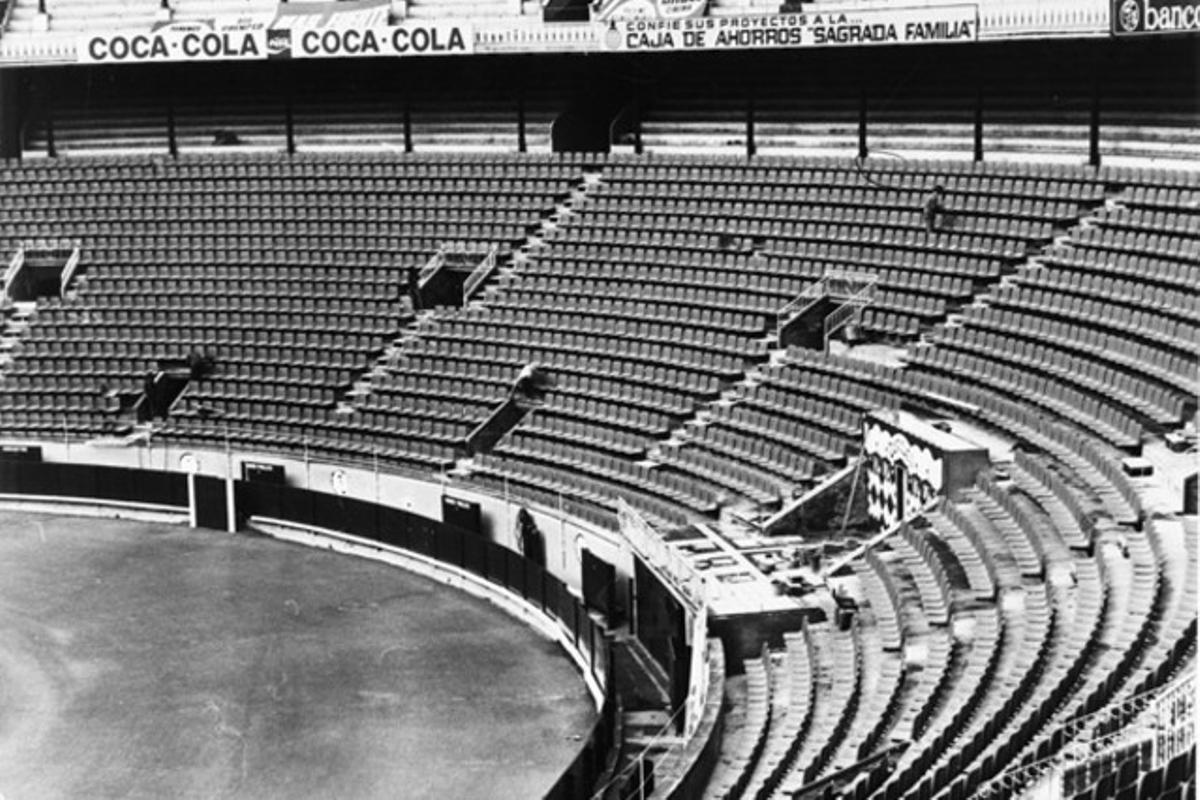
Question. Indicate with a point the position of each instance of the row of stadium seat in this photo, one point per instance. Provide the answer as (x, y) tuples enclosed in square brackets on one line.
[(638, 342)]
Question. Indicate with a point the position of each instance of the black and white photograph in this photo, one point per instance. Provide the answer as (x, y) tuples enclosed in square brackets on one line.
[(599, 399)]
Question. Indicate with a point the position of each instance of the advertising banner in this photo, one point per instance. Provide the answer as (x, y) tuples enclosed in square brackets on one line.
[(604, 10), (183, 42), (957, 23), (211, 43), (1133, 17), (425, 38)]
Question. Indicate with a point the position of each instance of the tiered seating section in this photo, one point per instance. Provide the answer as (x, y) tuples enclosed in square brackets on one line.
[(289, 273), (677, 269), (1113, 355), (989, 631)]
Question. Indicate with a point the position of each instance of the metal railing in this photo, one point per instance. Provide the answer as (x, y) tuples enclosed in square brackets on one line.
[(1165, 716), (481, 273), (6, 14), (851, 290), (663, 558), (842, 316), (431, 267), (811, 294), (14, 266), (68, 271), (843, 286)]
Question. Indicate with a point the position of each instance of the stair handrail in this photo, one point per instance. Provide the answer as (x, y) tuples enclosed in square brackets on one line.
[(6, 14), (809, 295), (1085, 742), (434, 263), (849, 283), (840, 317), (68, 271), (862, 288), (14, 266), (481, 273), (850, 288)]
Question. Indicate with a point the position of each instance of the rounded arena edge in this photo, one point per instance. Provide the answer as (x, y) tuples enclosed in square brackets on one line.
[(449, 555)]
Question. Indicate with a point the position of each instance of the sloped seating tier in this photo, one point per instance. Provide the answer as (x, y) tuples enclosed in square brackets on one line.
[(292, 305), (800, 224), (812, 412), (973, 668), (1137, 285), (805, 442), (741, 745), (1112, 353), (837, 673), (731, 208), (1079, 684), (745, 464), (1094, 469), (561, 301), (882, 592), (790, 718), (698, 320), (1033, 542), (640, 384), (960, 352), (551, 484), (924, 695), (879, 696), (1072, 621), (929, 564), (1176, 632), (691, 272), (1016, 668), (973, 646), (688, 492), (1094, 466), (1150, 379), (607, 373), (278, 430), (1063, 505), (983, 575), (1163, 320)]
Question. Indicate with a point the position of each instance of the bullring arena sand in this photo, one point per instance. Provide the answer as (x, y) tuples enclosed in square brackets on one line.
[(152, 661)]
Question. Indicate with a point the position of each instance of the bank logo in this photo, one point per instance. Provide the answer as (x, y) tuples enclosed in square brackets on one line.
[(1130, 15)]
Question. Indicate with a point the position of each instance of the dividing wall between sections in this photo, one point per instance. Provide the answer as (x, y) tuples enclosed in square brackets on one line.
[(565, 538), (361, 527)]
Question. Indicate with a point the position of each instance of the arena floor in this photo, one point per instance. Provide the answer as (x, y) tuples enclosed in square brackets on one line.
[(151, 661)]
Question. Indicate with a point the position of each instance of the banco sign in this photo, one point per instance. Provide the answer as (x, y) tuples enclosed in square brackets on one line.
[(1130, 17)]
